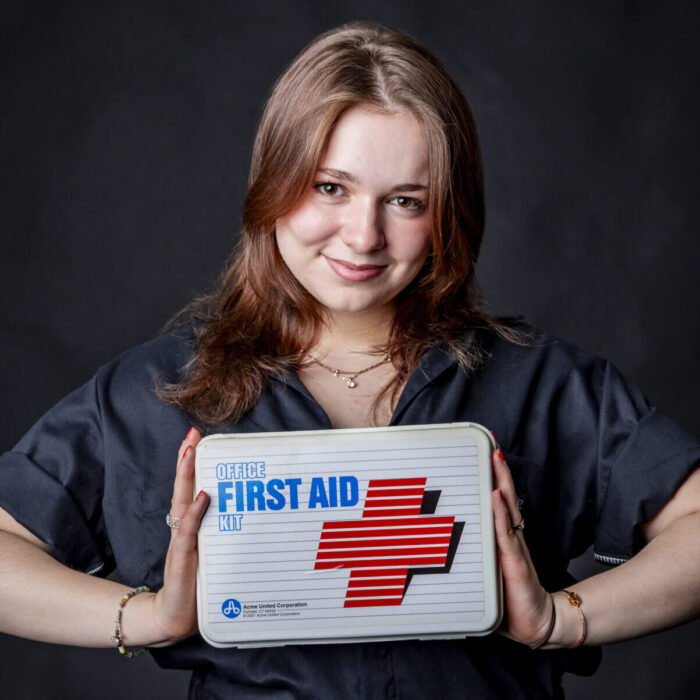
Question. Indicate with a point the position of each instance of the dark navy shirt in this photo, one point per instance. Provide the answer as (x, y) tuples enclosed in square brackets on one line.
[(591, 460)]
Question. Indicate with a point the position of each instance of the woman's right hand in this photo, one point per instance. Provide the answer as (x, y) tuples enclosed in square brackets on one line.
[(175, 604), (77, 608)]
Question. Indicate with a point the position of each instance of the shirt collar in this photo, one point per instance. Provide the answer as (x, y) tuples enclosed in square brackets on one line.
[(435, 361)]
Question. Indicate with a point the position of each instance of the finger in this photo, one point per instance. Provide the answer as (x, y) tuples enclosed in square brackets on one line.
[(181, 562), (182, 489), (504, 482), (511, 543), (191, 439), (184, 474), (515, 561), (176, 599), (506, 536)]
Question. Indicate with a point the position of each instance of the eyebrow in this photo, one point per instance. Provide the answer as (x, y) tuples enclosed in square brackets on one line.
[(349, 177)]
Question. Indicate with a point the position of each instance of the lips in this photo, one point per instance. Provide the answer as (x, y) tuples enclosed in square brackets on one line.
[(354, 273)]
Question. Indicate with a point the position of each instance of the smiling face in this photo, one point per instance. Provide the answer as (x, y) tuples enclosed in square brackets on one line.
[(362, 232)]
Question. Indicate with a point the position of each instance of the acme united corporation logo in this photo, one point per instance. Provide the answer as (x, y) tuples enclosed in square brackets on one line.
[(394, 540)]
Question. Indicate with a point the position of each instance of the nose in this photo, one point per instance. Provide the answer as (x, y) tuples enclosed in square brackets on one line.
[(363, 229)]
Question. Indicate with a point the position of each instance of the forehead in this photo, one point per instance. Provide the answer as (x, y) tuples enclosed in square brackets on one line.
[(374, 145)]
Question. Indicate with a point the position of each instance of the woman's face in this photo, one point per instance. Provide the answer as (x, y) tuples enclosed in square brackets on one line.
[(361, 233)]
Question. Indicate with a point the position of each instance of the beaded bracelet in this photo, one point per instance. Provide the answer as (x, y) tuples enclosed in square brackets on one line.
[(117, 637)]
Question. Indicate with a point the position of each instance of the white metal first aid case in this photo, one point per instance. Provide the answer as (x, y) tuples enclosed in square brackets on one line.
[(347, 535)]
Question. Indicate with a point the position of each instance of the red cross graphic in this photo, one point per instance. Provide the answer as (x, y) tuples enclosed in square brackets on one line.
[(390, 538)]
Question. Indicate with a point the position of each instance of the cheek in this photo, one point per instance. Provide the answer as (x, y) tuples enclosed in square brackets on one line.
[(305, 226), (413, 244)]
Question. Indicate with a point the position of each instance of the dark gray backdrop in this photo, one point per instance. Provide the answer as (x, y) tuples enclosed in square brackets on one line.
[(126, 133)]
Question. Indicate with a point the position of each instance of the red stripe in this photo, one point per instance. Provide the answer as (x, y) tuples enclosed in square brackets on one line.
[(386, 551), (393, 542), (381, 493), (372, 602), (421, 521), (379, 541), (389, 532), (386, 513), (362, 573), (365, 583), (378, 483), (365, 592), (413, 562), (381, 502)]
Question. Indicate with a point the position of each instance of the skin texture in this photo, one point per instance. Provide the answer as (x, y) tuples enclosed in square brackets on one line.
[(361, 234)]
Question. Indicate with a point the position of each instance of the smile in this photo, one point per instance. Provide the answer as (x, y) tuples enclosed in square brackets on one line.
[(354, 273)]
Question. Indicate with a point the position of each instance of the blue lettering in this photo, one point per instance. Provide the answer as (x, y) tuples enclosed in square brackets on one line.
[(239, 496), (349, 491), (276, 502), (332, 492), (240, 470), (258, 495), (255, 490), (318, 494), (293, 494), (230, 523), (224, 495)]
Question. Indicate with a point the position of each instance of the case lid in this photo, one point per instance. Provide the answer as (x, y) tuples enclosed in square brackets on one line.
[(347, 535)]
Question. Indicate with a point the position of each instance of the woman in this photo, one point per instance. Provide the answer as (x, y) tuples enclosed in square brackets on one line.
[(362, 226)]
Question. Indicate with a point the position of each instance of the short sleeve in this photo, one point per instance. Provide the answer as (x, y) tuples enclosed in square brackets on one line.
[(643, 457), (52, 482)]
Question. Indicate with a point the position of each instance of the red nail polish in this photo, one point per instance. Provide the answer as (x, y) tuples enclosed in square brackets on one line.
[(189, 433), (187, 449), (500, 455), (199, 495)]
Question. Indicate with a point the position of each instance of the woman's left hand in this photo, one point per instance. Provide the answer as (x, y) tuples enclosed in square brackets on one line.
[(528, 606)]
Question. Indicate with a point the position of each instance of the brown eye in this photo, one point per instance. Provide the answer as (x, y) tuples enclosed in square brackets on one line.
[(328, 188), (407, 202)]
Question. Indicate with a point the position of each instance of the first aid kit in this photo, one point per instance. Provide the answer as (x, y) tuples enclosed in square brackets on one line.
[(333, 536)]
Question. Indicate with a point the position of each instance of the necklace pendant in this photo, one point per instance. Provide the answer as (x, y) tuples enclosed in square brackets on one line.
[(347, 377)]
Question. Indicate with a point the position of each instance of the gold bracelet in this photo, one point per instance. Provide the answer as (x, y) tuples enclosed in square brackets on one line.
[(575, 600), (117, 637)]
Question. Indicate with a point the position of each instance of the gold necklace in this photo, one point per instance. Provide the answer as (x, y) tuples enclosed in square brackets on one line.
[(349, 377)]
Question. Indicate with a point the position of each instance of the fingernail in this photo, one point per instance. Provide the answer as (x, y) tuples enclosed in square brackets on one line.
[(500, 455), (190, 433), (199, 495), (187, 449)]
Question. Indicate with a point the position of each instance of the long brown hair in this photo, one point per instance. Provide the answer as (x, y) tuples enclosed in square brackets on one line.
[(260, 319)]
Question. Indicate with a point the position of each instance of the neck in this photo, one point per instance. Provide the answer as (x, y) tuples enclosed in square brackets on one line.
[(347, 333)]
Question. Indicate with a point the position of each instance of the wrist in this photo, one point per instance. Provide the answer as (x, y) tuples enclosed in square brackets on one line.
[(118, 636), (569, 629), (550, 627), (141, 625)]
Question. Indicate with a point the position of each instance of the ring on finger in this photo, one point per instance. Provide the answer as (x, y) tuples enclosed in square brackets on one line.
[(173, 522), (520, 525)]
